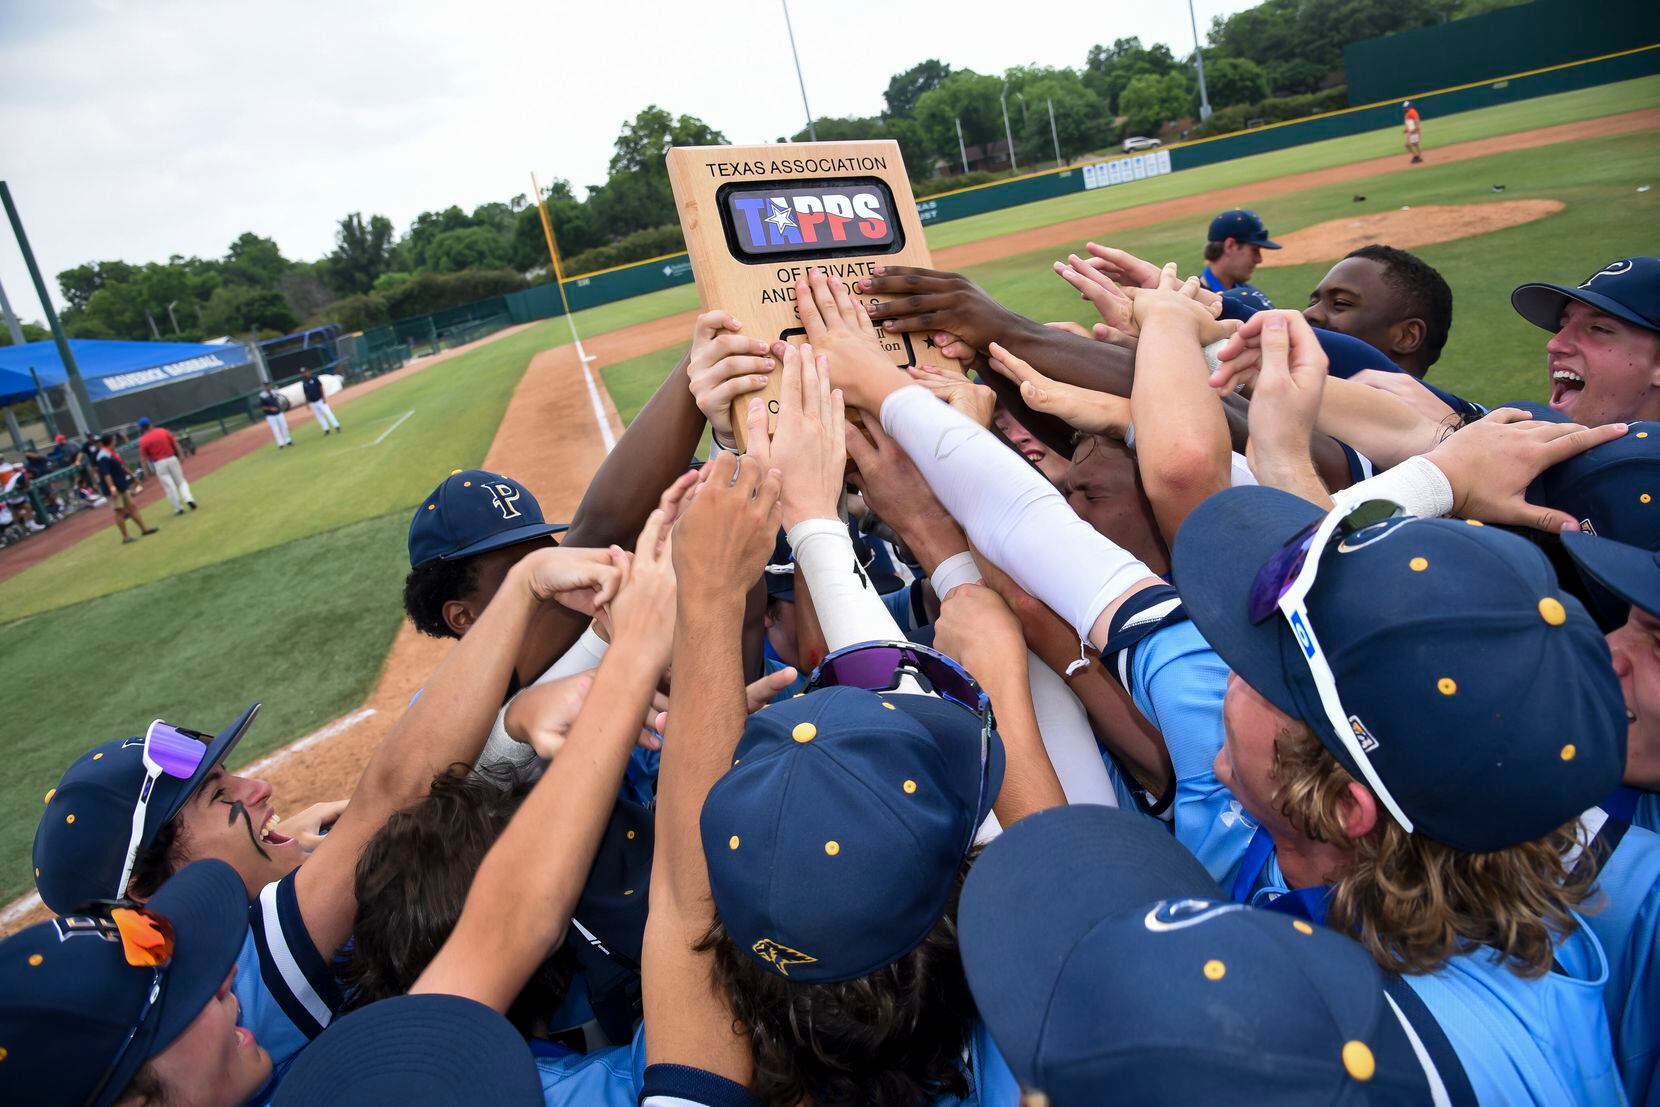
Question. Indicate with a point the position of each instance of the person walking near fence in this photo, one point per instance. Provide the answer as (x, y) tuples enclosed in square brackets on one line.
[(117, 482), (313, 387), (271, 404), (158, 446)]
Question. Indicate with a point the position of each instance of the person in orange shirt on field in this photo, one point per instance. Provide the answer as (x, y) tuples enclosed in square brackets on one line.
[(158, 446), (1413, 132)]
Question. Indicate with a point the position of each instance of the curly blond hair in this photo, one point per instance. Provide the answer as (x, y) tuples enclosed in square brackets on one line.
[(1414, 902)]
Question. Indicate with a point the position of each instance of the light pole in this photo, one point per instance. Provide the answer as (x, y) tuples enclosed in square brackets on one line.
[(1054, 134), (1199, 58), (961, 149), (1008, 135), (812, 131)]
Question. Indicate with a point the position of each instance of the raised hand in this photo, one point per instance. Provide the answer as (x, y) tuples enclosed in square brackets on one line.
[(913, 299), (1114, 306), (1491, 462), (581, 579), (310, 827), (642, 615), (1286, 400), (838, 327), (809, 446), (1122, 266), (974, 400), (723, 366), (1082, 409), (757, 694), (723, 539), (543, 713)]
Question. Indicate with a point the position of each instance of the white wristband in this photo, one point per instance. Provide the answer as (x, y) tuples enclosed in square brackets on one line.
[(1417, 484), (958, 569)]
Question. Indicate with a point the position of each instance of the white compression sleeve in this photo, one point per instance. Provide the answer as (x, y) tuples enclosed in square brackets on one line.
[(1417, 484), (1062, 722), (1011, 513), (849, 610)]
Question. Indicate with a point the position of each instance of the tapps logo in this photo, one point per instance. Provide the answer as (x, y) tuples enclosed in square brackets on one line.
[(784, 220)]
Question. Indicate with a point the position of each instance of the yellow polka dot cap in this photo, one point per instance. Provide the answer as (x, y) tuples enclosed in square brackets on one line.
[(1137, 982), (81, 858), (842, 869), (475, 511), (1614, 490), (72, 999), (1457, 685)]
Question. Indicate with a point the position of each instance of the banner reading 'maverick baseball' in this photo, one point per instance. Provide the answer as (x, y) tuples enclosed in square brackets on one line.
[(757, 217)]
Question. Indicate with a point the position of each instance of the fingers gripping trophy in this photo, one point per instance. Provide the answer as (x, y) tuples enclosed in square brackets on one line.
[(756, 218)]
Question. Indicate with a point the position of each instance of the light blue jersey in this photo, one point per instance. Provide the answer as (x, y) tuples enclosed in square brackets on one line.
[(1624, 914), (1178, 683), (286, 990), (1542, 1040), (615, 1077)]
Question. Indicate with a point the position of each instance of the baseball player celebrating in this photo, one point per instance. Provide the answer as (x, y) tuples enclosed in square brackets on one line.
[(128, 814), (271, 405), (1279, 801), (313, 388), (161, 450), (124, 1002)]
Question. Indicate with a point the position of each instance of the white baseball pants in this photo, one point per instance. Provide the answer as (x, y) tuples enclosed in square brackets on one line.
[(173, 483)]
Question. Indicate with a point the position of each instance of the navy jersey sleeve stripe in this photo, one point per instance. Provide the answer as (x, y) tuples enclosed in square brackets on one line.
[(684, 1086), (295, 974), (1149, 610)]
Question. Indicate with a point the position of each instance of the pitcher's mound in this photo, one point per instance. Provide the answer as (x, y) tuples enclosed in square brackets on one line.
[(1405, 230)]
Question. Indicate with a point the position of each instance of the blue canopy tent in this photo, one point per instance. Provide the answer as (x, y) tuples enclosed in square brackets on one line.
[(112, 368), (125, 379)]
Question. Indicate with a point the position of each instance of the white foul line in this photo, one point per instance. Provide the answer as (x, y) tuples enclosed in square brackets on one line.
[(605, 434), (322, 735), (393, 427), (19, 908)]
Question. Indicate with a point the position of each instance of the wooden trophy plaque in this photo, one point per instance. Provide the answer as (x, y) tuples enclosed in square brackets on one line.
[(756, 217)]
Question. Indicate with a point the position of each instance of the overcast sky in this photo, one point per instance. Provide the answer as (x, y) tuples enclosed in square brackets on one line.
[(136, 130)]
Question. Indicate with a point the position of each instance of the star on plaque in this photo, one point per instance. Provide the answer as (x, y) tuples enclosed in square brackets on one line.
[(929, 342), (781, 218)]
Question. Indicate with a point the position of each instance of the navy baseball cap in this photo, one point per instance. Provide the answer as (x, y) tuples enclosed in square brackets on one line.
[(414, 1050), (1627, 289), (1136, 982), (474, 511), (1613, 490), (81, 842), (1243, 226), (1630, 572), (71, 999), (1535, 410), (1423, 622), (835, 839)]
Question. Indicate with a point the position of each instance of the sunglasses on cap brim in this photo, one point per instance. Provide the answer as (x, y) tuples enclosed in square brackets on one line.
[(885, 666), (1283, 585), (168, 751), (146, 942)]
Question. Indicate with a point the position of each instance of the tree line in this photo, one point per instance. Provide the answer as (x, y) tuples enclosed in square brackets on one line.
[(1279, 58)]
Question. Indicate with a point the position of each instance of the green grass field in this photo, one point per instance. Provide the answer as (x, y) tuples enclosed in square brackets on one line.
[(1546, 111)]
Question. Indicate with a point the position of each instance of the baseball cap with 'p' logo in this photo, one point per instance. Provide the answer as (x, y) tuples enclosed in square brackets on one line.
[(475, 511)]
